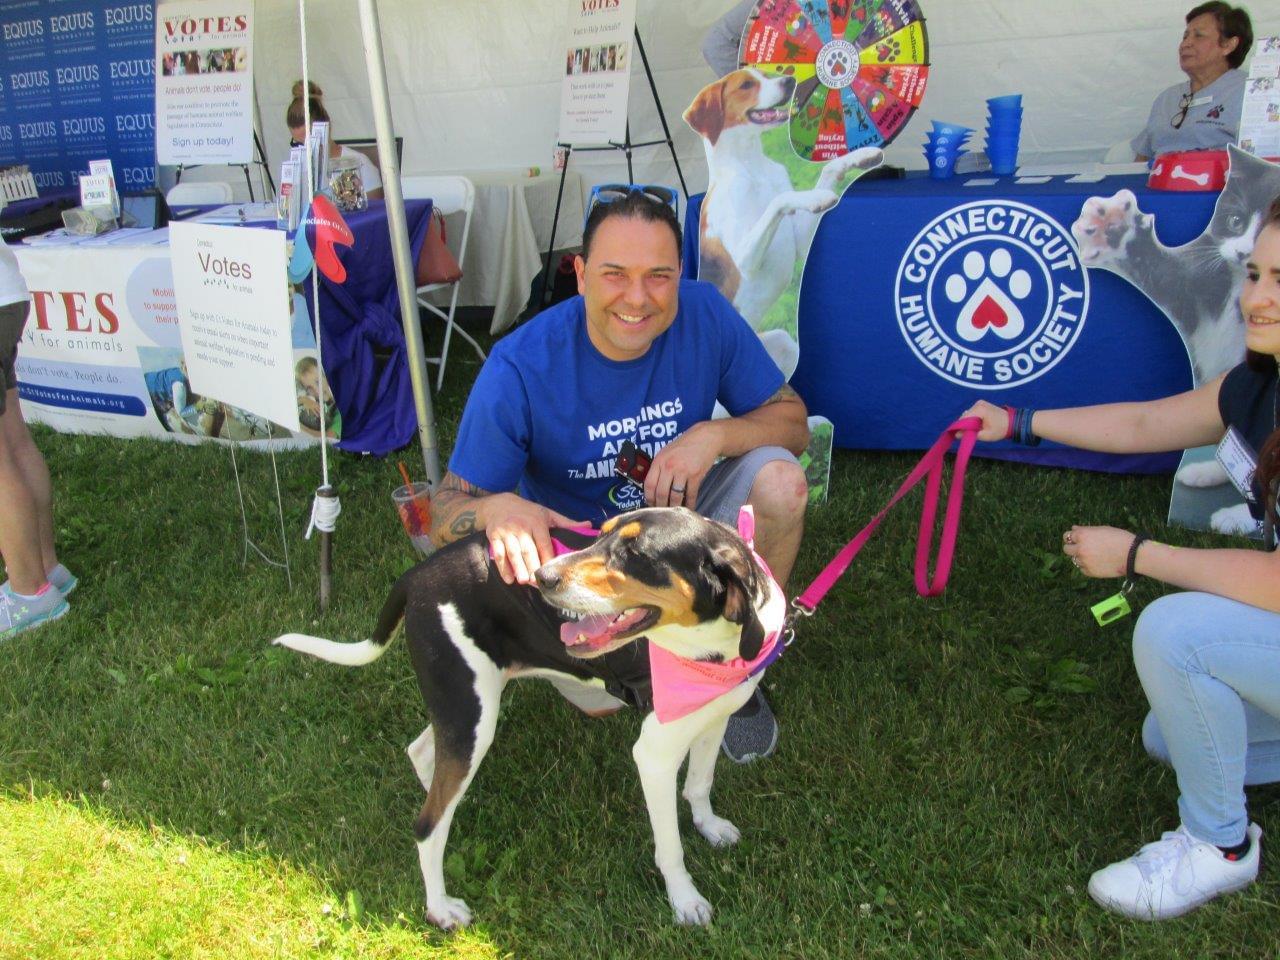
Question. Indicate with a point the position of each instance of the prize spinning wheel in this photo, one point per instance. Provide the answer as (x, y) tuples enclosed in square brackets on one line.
[(859, 67)]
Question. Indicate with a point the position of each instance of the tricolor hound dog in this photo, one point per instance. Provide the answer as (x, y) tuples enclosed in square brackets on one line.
[(744, 248), (705, 602)]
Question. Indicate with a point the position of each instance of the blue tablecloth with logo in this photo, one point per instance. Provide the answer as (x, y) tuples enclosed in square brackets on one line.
[(920, 296)]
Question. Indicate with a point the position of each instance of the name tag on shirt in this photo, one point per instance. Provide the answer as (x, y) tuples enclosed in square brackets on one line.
[(1238, 459), (1201, 101)]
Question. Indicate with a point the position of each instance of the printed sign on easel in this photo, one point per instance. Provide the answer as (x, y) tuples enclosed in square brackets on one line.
[(204, 82), (234, 317), (597, 71)]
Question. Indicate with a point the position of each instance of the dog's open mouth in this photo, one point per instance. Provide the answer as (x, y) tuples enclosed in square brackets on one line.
[(767, 115), (595, 634)]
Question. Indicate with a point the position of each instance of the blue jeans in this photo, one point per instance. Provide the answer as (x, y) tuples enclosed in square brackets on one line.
[(1210, 668)]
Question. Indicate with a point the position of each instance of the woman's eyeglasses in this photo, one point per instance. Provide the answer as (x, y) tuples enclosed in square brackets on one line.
[(1183, 106), (609, 192)]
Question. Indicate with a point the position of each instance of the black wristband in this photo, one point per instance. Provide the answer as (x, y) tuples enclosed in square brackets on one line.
[(1129, 572)]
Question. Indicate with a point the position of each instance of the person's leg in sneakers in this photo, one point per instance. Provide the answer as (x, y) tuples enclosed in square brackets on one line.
[(26, 519), (772, 481), (1207, 664)]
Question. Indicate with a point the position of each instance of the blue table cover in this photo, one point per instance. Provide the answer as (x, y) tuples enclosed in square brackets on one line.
[(858, 369), (360, 315)]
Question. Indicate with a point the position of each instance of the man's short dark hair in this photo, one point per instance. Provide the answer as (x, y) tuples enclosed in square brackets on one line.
[(634, 206), (1232, 22)]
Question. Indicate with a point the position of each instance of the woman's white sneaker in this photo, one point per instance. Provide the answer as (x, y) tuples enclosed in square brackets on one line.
[(1174, 875)]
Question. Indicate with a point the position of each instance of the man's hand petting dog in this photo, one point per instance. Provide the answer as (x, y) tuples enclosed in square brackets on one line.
[(519, 533), (678, 468)]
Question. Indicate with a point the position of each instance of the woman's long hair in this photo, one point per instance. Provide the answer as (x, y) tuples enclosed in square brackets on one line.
[(1268, 473)]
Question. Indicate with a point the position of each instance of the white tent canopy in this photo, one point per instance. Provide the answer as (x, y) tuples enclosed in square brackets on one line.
[(475, 84)]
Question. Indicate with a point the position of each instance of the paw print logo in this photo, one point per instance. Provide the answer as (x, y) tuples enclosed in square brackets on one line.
[(988, 288), (838, 64), (888, 51)]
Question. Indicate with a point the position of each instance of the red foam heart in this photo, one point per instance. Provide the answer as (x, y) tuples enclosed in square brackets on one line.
[(989, 312)]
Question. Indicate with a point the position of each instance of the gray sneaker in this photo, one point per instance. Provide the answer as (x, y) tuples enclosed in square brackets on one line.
[(60, 577), (19, 614), (752, 733)]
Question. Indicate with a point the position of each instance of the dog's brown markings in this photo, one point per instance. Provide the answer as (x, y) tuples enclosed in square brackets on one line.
[(450, 773), (609, 525), (630, 531)]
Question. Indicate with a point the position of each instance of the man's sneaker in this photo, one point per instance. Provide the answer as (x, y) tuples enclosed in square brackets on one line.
[(60, 577), (19, 613), (752, 732), (1173, 875)]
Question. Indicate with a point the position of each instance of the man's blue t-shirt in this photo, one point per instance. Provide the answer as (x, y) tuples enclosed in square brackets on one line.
[(548, 412)]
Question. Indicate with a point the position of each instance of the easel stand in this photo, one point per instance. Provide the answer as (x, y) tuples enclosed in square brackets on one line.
[(626, 147), (259, 161)]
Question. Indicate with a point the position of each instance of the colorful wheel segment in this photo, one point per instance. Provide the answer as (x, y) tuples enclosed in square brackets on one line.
[(860, 68)]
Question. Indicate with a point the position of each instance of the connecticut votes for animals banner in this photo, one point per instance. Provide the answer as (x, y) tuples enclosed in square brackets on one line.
[(204, 81)]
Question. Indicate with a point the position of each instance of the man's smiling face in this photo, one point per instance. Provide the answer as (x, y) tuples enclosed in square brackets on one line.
[(630, 285)]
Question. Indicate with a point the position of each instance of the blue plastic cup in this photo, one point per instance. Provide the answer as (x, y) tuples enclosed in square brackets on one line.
[(952, 129), (1011, 101)]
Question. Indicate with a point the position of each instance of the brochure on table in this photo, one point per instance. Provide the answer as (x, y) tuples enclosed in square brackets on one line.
[(204, 81), (597, 71)]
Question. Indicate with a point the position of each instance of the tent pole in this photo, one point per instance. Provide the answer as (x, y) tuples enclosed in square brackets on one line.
[(400, 251)]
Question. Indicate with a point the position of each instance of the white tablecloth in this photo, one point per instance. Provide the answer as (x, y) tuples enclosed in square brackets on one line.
[(510, 231)]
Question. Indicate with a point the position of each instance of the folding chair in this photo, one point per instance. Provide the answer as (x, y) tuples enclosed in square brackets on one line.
[(448, 194), (201, 192)]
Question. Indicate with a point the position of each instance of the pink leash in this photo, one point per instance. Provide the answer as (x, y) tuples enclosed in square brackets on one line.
[(966, 430)]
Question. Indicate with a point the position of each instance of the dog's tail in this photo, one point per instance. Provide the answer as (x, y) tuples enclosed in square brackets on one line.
[(354, 654)]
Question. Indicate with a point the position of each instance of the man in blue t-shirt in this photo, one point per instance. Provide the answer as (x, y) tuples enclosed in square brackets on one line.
[(642, 356)]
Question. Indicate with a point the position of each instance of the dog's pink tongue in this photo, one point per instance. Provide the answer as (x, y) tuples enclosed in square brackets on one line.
[(586, 630), (598, 628)]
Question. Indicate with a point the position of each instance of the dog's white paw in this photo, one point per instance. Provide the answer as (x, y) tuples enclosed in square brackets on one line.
[(816, 200), (449, 913), (718, 831), (1207, 473), (1234, 520), (692, 908), (862, 159)]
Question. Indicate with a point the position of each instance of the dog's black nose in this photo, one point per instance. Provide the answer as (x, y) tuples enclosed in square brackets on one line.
[(547, 579)]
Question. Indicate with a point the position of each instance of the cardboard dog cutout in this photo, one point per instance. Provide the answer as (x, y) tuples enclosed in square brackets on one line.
[(820, 89)]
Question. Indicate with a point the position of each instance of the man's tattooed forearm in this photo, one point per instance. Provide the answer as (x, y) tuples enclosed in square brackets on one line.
[(463, 524), (784, 393)]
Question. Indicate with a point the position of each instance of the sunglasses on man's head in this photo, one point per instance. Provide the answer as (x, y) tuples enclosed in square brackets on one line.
[(1183, 106), (609, 192)]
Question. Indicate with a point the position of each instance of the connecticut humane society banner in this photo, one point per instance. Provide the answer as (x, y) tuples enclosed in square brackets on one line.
[(204, 81), (77, 84)]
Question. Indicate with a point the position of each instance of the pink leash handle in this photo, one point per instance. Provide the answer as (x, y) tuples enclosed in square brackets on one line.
[(930, 465)]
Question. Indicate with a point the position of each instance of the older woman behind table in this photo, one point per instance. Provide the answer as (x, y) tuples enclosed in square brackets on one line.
[(1203, 114), (296, 118), (1209, 659)]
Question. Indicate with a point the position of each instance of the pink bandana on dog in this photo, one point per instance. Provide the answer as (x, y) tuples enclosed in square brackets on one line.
[(682, 686)]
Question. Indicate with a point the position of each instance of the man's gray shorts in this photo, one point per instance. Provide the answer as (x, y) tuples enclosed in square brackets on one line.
[(13, 317), (727, 485)]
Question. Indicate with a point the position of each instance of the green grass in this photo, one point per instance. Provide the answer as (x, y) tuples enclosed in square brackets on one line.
[(949, 773)]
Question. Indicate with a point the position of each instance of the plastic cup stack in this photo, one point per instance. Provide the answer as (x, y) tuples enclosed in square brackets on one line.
[(944, 146), (1004, 125)]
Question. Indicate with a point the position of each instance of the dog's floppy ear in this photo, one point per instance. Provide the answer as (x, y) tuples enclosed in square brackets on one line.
[(706, 113), (735, 569)]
